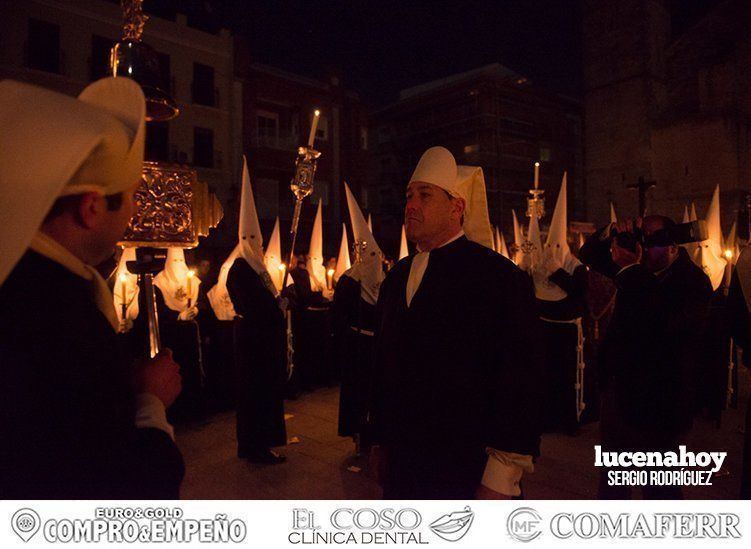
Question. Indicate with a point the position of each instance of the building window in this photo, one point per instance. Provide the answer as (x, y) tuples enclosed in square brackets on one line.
[(267, 197), (101, 48), (165, 73), (469, 149), (203, 85), (267, 128), (43, 46), (544, 154), (203, 147), (157, 141), (364, 138)]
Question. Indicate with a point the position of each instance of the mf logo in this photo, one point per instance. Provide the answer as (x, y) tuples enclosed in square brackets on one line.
[(524, 524)]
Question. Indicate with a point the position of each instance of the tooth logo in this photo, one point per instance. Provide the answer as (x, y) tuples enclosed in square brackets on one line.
[(453, 526), (25, 523)]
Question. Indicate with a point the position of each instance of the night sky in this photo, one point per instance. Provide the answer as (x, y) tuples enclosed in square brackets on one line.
[(381, 46)]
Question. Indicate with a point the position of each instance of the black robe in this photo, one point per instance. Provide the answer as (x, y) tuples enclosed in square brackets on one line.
[(456, 372), (261, 348), (739, 323), (560, 341), (66, 403), (353, 350)]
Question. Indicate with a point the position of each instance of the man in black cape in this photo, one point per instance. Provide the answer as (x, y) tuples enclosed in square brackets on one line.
[(456, 404), (648, 353), (77, 420)]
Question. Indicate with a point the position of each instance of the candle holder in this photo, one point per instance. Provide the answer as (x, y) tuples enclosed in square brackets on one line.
[(536, 203)]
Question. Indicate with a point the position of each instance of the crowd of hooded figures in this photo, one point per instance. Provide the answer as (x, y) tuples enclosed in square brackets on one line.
[(452, 360)]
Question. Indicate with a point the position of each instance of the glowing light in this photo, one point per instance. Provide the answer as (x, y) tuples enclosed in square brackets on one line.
[(729, 254), (123, 277), (330, 272), (282, 267)]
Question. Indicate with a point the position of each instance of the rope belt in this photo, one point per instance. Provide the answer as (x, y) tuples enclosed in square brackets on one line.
[(579, 383), (370, 333)]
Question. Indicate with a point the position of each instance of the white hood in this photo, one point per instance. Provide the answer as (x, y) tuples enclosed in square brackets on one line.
[(343, 262), (126, 287), (403, 248), (368, 270), (314, 264), (218, 295), (710, 256), (556, 253), (177, 282), (273, 257)]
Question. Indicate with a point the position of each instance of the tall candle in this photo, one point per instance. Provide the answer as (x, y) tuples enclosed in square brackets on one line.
[(124, 288), (537, 174), (313, 127), (190, 288)]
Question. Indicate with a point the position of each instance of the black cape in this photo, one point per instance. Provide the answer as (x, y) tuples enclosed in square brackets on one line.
[(456, 372), (66, 403), (261, 348), (353, 350)]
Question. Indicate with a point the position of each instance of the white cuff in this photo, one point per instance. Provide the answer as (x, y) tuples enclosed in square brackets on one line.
[(150, 412), (626, 267), (504, 470)]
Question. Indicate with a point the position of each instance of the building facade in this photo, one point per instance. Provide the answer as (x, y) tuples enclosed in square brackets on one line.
[(490, 117), (667, 98), (65, 45), (278, 109)]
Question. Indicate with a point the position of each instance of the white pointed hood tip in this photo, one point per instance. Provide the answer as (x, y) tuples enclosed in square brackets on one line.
[(315, 265), (613, 217), (343, 262), (403, 247), (249, 230), (556, 251), (710, 254), (368, 270), (273, 257)]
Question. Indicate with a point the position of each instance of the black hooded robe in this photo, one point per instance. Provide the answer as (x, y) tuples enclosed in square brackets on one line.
[(261, 350)]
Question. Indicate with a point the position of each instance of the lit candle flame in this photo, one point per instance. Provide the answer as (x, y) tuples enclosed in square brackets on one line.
[(282, 267), (330, 272), (729, 254), (537, 174)]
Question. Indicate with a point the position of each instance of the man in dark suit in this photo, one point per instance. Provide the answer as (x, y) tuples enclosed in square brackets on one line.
[(456, 405), (77, 420), (648, 353)]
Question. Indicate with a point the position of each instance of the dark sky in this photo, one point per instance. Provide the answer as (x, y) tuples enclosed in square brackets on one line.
[(381, 46)]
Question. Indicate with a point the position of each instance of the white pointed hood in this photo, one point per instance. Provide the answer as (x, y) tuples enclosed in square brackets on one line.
[(218, 295), (249, 230), (368, 270), (710, 255), (470, 185), (273, 257), (556, 252), (370, 223), (518, 238), (314, 264), (731, 242), (126, 287), (531, 248), (686, 219), (693, 212), (502, 249), (343, 262), (613, 217), (403, 248), (177, 282)]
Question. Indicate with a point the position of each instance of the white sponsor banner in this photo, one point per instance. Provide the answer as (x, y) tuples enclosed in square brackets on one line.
[(272, 524)]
